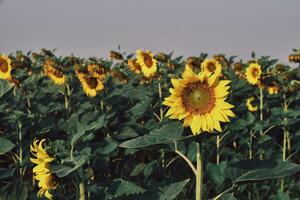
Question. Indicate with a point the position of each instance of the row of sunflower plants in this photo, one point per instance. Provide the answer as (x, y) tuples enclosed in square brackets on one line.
[(148, 126)]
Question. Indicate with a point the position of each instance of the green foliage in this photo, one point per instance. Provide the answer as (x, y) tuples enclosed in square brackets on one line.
[(120, 146)]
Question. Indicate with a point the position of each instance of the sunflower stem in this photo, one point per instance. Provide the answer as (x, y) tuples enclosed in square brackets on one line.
[(81, 191), (160, 100), (218, 142), (199, 172), (286, 139), (20, 147), (261, 116), (250, 145)]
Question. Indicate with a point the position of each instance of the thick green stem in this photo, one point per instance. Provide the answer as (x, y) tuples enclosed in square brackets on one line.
[(261, 116), (81, 191), (160, 100), (250, 145), (199, 174), (20, 147), (218, 143)]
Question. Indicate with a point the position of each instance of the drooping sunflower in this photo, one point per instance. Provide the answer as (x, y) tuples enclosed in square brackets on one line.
[(200, 100), (250, 106), (96, 71), (273, 89), (55, 74), (211, 66), (134, 66), (5, 67), (42, 173), (253, 73), (90, 84), (147, 62)]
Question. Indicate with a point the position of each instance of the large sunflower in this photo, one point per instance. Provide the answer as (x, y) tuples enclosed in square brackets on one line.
[(90, 84), (253, 73), (46, 180), (250, 106), (147, 62), (200, 100), (5, 67), (56, 75), (211, 66)]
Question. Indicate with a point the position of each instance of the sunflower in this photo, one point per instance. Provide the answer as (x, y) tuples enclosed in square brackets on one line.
[(147, 62), (199, 100), (273, 89), (134, 66), (211, 66), (115, 55), (5, 67), (97, 71), (90, 84), (56, 75), (250, 106), (253, 73), (42, 173)]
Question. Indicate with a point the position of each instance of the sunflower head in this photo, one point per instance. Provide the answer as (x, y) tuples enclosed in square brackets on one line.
[(90, 84), (250, 106), (294, 57), (42, 173), (147, 62), (97, 71), (162, 57), (119, 76), (200, 100), (273, 89), (253, 73), (134, 66), (211, 66), (115, 55), (5, 67), (55, 74)]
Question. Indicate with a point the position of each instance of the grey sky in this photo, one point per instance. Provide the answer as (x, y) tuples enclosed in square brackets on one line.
[(93, 27)]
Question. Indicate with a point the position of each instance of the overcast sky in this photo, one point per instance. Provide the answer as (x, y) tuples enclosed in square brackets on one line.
[(94, 27)]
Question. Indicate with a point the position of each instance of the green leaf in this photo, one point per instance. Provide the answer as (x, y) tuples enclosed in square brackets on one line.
[(64, 170), (257, 170), (166, 135), (119, 188), (14, 191), (5, 86), (6, 145), (5, 173), (138, 169), (216, 172), (171, 191), (281, 196)]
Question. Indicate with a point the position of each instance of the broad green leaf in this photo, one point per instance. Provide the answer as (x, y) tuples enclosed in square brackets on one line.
[(63, 170), (5, 86), (171, 191), (119, 188), (5, 145)]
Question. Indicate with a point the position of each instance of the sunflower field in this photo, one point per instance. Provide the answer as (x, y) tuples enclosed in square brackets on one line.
[(149, 126)]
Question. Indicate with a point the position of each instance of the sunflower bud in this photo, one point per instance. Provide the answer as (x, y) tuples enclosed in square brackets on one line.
[(162, 57), (47, 52), (237, 67), (115, 55)]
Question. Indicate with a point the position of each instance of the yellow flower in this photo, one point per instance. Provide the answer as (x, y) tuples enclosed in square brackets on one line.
[(253, 73), (273, 89), (134, 66), (46, 180), (147, 62), (56, 75), (5, 67), (115, 55), (199, 100), (97, 71), (250, 106), (211, 66), (90, 84)]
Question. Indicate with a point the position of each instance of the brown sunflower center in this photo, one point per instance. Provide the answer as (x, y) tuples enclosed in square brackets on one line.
[(147, 60), (51, 182), (91, 82), (211, 67), (255, 72), (198, 98), (3, 65)]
